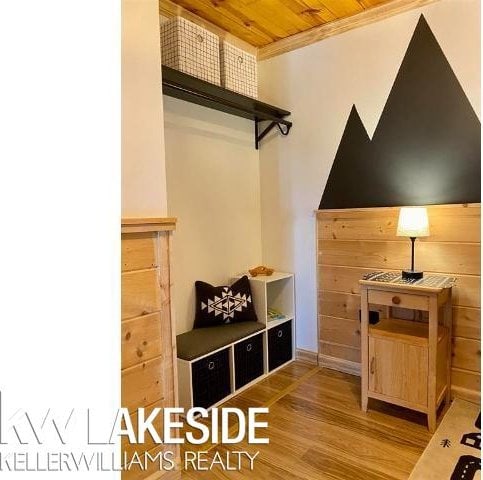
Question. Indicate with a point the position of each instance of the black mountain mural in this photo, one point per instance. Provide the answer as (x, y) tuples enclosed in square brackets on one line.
[(426, 147)]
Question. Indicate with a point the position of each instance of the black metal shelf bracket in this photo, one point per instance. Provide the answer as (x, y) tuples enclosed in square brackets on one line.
[(277, 123)]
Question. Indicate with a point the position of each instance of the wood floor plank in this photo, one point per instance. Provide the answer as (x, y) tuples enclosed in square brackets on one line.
[(351, 424), (339, 469), (317, 431), (339, 391)]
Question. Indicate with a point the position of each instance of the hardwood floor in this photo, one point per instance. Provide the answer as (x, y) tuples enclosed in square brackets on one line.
[(317, 431)]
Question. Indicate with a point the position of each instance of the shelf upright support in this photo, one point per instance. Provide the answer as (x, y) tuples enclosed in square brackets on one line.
[(256, 132)]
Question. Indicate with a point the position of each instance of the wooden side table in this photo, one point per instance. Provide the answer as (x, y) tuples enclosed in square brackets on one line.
[(407, 362)]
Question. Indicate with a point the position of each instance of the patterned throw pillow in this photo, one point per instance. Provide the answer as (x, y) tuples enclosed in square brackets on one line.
[(225, 304)]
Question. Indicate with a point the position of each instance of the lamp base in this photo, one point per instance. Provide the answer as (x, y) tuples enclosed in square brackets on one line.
[(412, 274)]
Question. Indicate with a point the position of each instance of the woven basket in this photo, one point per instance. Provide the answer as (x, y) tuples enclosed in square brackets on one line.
[(238, 70), (191, 49)]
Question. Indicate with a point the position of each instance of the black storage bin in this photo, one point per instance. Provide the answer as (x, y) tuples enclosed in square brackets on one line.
[(211, 379), (279, 345), (248, 360)]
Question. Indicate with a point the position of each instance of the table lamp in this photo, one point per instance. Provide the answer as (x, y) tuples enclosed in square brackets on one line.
[(413, 223)]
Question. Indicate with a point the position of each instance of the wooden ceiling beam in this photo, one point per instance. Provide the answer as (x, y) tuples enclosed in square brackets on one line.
[(342, 25)]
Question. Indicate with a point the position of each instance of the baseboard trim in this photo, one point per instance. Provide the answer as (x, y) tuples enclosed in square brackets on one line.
[(472, 396), (354, 368), (339, 364), (307, 356)]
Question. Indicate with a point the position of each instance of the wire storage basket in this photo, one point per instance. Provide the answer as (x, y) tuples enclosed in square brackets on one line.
[(191, 49), (238, 70)]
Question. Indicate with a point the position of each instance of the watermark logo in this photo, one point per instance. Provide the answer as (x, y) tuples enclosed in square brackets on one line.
[(88, 440)]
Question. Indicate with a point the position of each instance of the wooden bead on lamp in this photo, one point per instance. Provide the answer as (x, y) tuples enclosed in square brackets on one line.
[(413, 223)]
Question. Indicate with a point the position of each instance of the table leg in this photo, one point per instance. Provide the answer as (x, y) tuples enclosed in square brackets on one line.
[(364, 347), (448, 322), (432, 358)]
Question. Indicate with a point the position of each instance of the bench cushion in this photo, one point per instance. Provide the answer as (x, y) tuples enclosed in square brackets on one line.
[(198, 342)]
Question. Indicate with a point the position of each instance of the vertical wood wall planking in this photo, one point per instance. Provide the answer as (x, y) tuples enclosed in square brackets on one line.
[(352, 242)]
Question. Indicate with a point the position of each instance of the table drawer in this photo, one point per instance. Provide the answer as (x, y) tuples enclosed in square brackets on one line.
[(397, 299)]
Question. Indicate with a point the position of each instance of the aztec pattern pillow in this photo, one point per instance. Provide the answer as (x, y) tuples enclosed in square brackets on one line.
[(225, 304)]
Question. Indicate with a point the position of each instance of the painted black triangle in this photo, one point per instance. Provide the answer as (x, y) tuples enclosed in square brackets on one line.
[(426, 146), (354, 149)]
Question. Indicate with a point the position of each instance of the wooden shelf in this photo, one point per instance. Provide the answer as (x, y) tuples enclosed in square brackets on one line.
[(185, 87), (276, 276), (416, 333), (152, 224)]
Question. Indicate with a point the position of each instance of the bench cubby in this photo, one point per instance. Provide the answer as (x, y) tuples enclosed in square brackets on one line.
[(211, 379), (249, 360), (279, 345), (215, 363)]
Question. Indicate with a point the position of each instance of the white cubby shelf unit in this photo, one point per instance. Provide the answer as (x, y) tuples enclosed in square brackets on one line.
[(276, 291)]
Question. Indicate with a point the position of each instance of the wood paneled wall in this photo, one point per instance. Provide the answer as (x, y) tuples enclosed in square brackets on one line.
[(353, 242), (148, 349)]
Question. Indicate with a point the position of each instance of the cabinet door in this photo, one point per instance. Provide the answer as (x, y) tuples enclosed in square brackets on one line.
[(398, 370)]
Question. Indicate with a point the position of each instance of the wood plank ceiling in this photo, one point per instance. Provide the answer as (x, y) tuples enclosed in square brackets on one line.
[(263, 22)]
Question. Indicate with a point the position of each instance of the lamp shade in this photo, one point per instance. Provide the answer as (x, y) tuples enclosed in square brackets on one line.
[(413, 222)]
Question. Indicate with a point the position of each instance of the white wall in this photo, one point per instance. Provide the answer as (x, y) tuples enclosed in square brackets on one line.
[(143, 166), (214, 190), (319, 84)]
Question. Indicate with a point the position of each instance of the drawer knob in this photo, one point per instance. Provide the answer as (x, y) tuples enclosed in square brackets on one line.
[(396, 300), (279, 334), (211, 365), (249, 347)]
